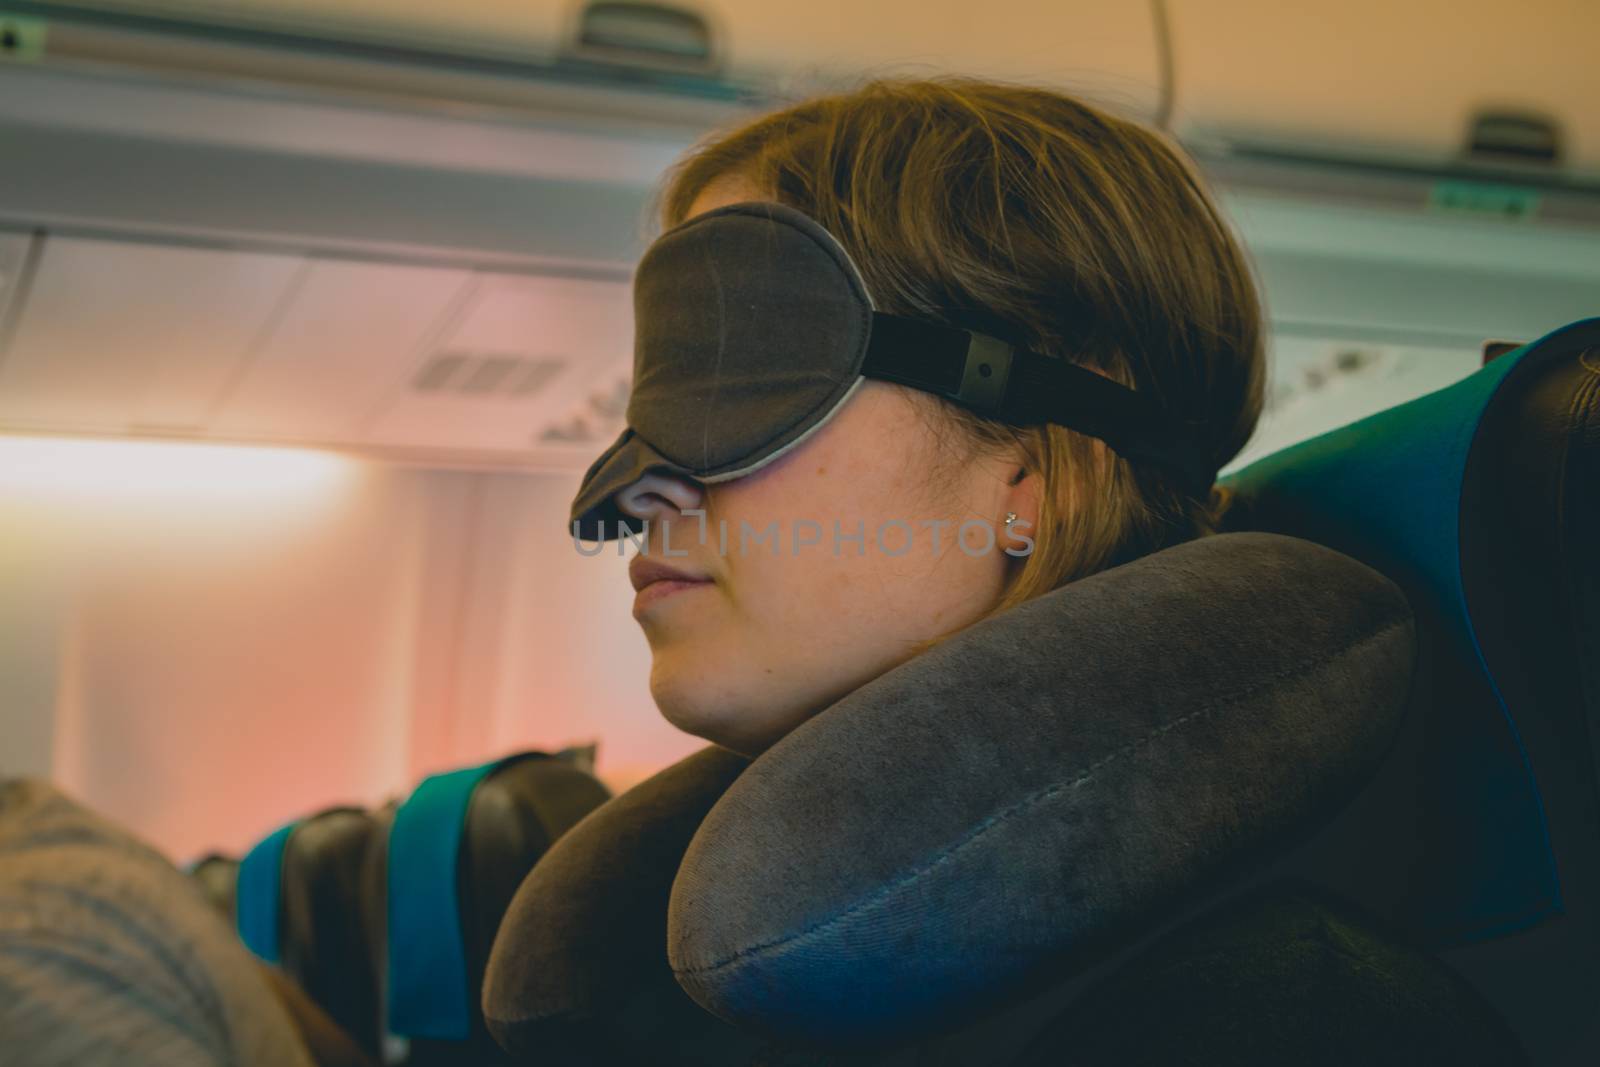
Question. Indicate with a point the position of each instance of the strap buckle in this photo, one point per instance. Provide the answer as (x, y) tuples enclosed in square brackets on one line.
[(983, 379)]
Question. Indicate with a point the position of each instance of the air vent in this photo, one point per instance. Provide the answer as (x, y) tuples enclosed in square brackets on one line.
[(534, 375), (437, 372), (485, 374)]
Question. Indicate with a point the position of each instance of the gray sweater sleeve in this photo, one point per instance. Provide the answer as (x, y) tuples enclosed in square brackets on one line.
[(109, 954)]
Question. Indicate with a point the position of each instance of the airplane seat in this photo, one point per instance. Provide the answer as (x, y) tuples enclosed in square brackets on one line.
[(373, 925), (1482, 501), (1284, 972), (873, 882), (438, 883), (299, 903), (1478, 841)]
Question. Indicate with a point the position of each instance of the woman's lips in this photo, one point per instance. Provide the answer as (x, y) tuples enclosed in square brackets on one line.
[(661, 589), (655, 580)]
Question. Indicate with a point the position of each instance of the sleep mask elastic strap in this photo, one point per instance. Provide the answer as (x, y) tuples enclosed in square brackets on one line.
[(1024, 388)]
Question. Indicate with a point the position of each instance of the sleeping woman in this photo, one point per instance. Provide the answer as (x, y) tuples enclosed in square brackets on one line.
[(909, 356)]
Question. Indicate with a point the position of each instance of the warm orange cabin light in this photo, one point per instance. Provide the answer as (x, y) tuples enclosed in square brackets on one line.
[(108, 469)]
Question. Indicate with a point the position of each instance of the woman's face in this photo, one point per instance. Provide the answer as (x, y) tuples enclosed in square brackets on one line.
[(773, 630)]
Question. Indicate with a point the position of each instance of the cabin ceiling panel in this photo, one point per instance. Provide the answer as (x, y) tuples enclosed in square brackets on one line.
[(115, 335), (350, 331)]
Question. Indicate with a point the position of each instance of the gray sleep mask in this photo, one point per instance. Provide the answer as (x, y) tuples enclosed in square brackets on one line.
[(752, 327)]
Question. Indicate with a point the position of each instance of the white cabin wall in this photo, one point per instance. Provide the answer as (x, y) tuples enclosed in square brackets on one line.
[(31, 600), (208, 658)]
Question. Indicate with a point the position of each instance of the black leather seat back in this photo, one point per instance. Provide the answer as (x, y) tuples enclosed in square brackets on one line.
[(324, 946), (1481, 836), (1530, 538)]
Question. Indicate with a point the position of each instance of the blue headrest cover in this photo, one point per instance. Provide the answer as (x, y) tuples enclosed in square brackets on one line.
[(427, 986), (258, 893), (1387, 490)]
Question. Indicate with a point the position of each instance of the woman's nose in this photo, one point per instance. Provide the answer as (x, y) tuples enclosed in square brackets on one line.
[(660, 496)]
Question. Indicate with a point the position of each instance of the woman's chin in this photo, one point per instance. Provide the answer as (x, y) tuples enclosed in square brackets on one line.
[(715, 710)]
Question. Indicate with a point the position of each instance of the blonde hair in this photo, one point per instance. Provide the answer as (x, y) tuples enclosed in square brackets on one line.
[(1037, 218)]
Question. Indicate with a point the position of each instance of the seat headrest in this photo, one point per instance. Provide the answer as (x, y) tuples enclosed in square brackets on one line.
[(456, 852), (257, 904), (426, 958), (323, 945), (1421, 492), (299, 905), (1033, 788)]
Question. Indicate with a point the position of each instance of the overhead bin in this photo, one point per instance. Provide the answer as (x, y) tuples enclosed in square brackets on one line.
[(1393, 78), (767, 48), (411, 187)]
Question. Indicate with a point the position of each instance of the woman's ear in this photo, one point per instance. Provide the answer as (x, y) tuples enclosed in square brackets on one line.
[(1022, 498)]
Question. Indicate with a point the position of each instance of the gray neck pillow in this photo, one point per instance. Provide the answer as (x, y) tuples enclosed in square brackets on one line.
[(1039, 787)]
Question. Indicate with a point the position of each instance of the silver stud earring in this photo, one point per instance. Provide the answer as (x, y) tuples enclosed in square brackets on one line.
[(1011, 517)]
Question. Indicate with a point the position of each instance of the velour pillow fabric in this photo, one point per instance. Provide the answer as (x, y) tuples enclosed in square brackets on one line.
[(578, 971), (1037, 787)]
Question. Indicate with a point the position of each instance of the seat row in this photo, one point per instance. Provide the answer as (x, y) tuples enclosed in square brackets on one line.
[(384, 918)]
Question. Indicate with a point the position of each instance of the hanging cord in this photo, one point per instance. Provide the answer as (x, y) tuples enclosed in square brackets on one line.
[(1163, 32)]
